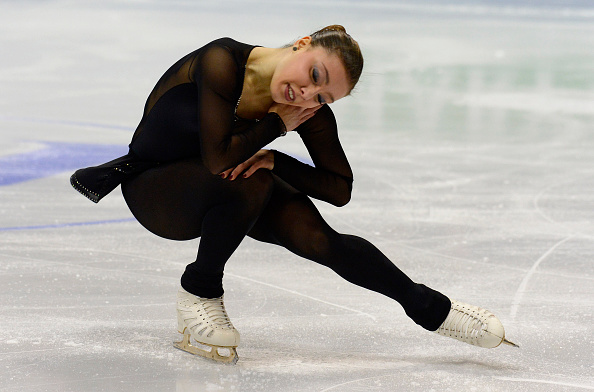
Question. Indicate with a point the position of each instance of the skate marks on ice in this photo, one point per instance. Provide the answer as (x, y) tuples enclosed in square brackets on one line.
[(571, 232), (425, 374), (126, 344), (297, 293), (380, 383), (586, 222), (568, 384), (483, 373), (522, 288)]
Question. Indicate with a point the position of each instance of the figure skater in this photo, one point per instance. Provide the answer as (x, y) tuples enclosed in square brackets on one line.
[(196, 167)]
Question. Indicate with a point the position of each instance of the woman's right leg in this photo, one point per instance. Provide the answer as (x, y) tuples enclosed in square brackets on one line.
[(183, 200), (292, 221)]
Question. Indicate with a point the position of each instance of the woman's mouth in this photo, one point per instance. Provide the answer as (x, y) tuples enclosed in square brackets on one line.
[(289, 94)]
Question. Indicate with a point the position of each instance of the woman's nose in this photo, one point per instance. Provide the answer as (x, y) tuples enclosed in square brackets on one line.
[(308, 92)]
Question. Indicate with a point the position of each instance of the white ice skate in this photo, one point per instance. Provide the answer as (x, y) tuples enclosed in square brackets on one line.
[(473, 325), (205, 321)]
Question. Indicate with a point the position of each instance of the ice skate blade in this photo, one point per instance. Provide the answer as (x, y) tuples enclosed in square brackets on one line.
[(509, 343), (213, 353)]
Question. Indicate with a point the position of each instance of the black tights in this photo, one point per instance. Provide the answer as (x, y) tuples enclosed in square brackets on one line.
[(183, 200)]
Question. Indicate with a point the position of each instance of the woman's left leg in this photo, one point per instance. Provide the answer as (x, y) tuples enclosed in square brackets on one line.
[(291, 220)]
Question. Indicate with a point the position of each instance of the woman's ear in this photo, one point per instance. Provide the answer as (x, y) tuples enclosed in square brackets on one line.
[(303, 43)]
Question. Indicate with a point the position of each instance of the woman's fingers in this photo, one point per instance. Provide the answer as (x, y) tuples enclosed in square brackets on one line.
[(263, 159), (251, 170), (239, 169), (293, 116), (226, 173)]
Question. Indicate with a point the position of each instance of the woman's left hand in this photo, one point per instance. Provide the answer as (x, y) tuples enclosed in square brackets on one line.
[(263, 159)]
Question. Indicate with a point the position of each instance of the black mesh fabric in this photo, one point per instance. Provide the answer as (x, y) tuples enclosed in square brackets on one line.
[(190, 132)]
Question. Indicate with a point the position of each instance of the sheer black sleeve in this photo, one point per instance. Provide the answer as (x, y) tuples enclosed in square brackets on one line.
[(219, 80), (331, 179)]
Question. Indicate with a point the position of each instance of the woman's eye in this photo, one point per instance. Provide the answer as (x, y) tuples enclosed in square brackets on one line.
[(315, 75), (320, 99)]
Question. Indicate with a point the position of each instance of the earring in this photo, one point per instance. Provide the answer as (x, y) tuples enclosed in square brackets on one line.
[(294, 48)]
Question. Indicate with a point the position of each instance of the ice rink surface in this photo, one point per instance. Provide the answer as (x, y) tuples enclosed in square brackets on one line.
[(471, 139)]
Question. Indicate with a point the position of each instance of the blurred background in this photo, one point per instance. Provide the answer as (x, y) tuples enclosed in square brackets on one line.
[(470, 135)]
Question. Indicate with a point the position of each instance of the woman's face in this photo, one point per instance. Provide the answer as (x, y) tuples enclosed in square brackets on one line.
[(309, 77)]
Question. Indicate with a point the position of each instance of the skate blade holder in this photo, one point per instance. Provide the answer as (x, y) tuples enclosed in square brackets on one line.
[(227, 355)]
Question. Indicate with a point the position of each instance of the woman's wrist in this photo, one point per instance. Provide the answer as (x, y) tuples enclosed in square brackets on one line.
[(283, 128)]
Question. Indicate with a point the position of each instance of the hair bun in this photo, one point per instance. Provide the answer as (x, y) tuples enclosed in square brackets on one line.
[(337, 28)]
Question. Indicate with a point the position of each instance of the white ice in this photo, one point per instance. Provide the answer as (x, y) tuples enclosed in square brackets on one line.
[(471, 139)]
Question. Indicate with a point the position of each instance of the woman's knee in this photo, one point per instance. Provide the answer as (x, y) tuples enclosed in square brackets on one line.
[(319, 243), (256, 190), (263, 181), (311, 234)]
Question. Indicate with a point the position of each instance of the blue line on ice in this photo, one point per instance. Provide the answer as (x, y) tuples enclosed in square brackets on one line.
[(54, 158), (71, 224), (57, 157)]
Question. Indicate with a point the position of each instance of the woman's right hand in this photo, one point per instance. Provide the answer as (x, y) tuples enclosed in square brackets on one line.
[(293, 116)]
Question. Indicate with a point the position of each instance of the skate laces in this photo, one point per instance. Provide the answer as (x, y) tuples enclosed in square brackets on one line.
[(205, 311), (465, 324), (215, 311)]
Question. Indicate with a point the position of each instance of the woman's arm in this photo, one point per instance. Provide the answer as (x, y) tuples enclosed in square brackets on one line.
[(331, 179), (218, 79)]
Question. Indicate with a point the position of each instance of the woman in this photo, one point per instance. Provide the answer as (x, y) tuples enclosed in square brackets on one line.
[(196, 168)]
